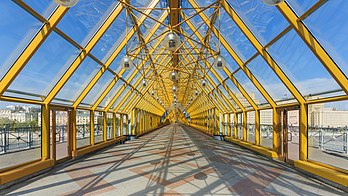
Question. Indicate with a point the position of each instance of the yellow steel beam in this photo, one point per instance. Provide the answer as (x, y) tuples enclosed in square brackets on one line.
[(262, 51), (83, 54), (211, 81), (134, 74), (112, 57), (113, 82), (314, 45), (241, 64), (32, 47), (136, 84), (213, 70)]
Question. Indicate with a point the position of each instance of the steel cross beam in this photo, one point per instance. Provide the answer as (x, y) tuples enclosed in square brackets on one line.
[(240, 63), (111, 59), (32, 47)]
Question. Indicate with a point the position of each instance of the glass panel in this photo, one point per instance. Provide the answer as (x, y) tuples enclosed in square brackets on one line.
[(98, 88), (266, 22), (249, 87), (266, 128), (20, 133), (43, 7), (115, 89), (301, 66), (251, 127), (79, 80), (112, 38), (83, 20), (232, 125), (268, 79), (329, 26), (328, 133), (118, 121), (237, 93), (46, 67), (19, 31), (228, 97), (240, 126), (235, 37), (83, 130), (110, 126), (300, 6), (61, 134), (98, 127)]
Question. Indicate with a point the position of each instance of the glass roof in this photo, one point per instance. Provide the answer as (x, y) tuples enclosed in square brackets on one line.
[(76, 61)]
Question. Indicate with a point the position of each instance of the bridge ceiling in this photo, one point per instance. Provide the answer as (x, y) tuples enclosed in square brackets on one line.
[(292, 53)]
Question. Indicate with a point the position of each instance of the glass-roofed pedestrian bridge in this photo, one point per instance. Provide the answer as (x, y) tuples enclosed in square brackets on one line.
[(173, 97)]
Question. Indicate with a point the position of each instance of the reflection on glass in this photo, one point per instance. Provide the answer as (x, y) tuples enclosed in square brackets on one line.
[(110, 126), (300, 6), (43, 7)]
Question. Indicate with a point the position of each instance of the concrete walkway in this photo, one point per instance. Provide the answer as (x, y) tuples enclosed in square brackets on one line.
[(175, 160)]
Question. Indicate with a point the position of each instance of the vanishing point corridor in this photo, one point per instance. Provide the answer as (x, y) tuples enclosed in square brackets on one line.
[(174, 160)]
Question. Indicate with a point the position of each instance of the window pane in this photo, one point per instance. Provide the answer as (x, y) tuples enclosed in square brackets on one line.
[(301, 66), (73, 88), (98, 127), (83, 124), (46, 67), (43, 7), (83, 20), (330, 27), (98, 88), (19, 31), (300, 6), (328, 133), (110, 126), (268, 79), (264, 21), (20, 133), (249, 87), (266, 128)]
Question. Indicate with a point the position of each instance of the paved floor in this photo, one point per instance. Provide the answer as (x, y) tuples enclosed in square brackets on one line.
[(175, 160)]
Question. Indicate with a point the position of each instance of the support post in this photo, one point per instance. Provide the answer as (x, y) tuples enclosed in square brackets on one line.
[(277, 132), (92, 127), (45, 128), (303, 132), (245, 133), (257, 127)]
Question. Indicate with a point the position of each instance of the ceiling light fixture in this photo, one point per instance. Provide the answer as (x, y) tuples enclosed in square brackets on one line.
[(171, 41)]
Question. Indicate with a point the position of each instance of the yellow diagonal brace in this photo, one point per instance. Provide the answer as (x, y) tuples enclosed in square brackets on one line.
[(245, 69), (32, 47), (213, 84), (146, 89), (112, 57), (262, 51), (154, 29), (135, 85), (226, 70), (83, 54), (216, 74), (314, 45)]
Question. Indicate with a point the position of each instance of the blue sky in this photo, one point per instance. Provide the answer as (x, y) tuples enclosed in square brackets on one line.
[(327, 24)]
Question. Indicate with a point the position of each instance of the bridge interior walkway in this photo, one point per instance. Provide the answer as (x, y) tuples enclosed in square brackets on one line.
[(175, 159)]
